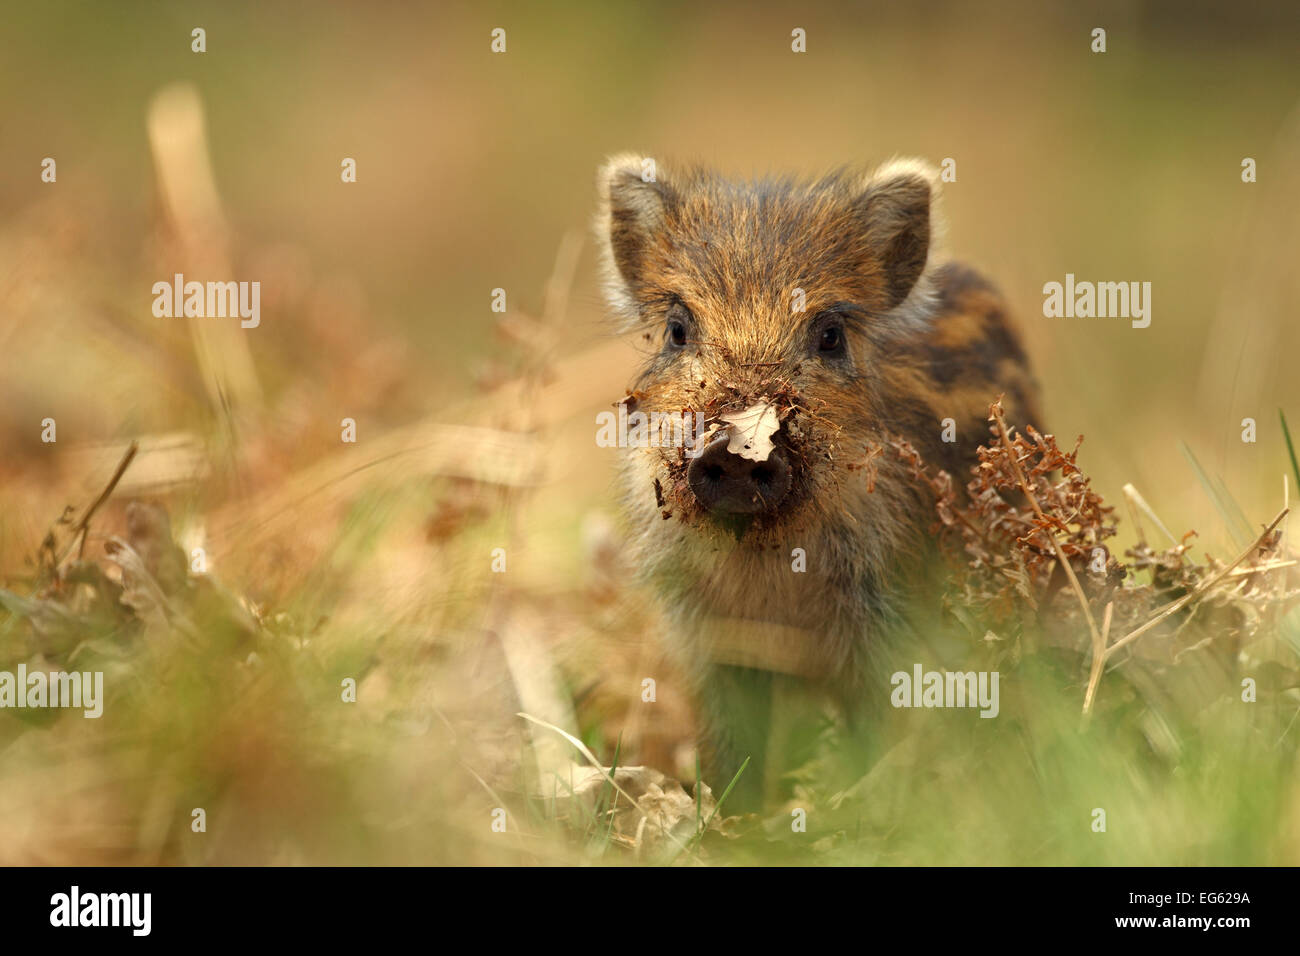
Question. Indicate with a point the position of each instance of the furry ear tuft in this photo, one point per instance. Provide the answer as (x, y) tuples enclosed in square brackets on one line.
[(634, 204), (897, 205)]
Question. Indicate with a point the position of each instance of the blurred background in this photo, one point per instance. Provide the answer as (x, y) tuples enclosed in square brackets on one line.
[(475, 171)]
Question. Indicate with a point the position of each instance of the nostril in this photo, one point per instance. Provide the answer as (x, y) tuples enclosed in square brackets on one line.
[(727, 483)]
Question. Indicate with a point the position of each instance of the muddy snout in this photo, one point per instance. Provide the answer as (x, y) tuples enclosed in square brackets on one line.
[(725, 483)]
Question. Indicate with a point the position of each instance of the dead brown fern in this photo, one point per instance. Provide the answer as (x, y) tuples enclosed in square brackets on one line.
[(1031, 531)]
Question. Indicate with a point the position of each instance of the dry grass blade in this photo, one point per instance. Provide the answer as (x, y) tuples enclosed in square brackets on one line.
[(83, 526), (179, 143), (1098, 659), (586, 752), (595, 762), (1136, 500), (1199, 592)]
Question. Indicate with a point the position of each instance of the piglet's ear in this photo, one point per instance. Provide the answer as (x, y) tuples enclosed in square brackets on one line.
[(896, 209), (634, 203)]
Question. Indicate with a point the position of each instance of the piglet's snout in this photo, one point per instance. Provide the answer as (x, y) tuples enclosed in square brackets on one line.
[(725, 483)]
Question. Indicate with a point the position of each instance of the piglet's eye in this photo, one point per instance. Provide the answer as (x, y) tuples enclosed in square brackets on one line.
[(831, 340), (676, 332)]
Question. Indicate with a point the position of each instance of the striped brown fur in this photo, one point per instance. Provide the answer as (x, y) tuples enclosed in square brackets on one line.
[(923, 341)]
